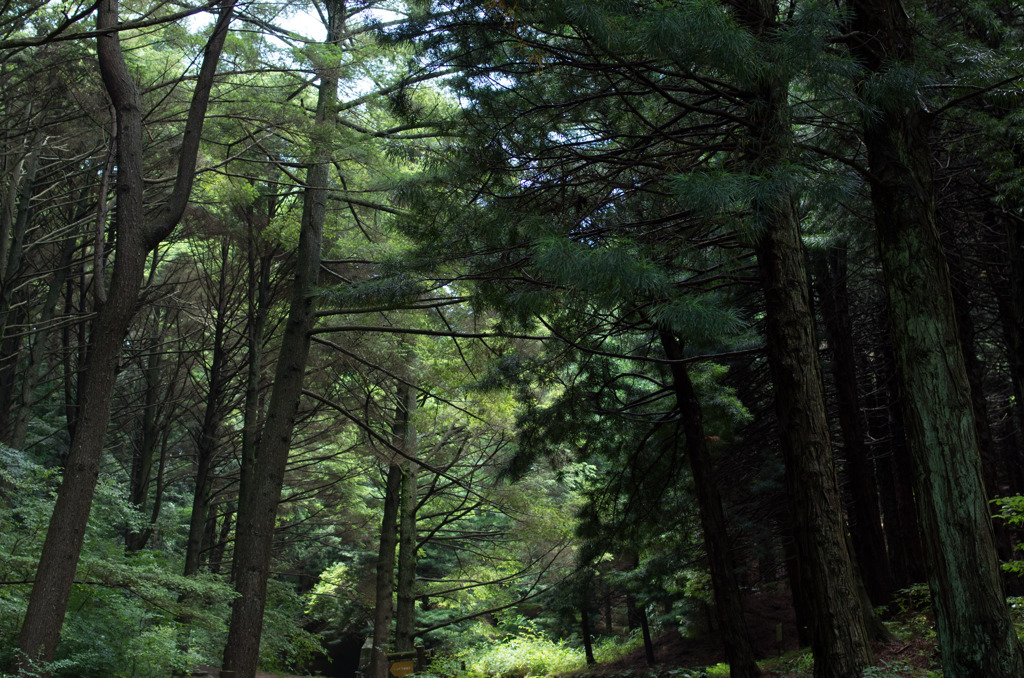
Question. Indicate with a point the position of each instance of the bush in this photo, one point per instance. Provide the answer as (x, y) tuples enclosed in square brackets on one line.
[(526, 655)]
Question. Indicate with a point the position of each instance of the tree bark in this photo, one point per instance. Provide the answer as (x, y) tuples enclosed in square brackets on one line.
[(586, 631), (975, 631), (839, 639), (206, 438), (405, 611), (404, 436), (10, 276), (137, 234), (975, 371), (258, 291), (383, 610), (142, 456), (728, 603)]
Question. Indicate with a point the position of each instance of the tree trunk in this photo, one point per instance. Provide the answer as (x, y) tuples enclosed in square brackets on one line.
[(975, 371), (12, 244), (257, 510), (636, 616), (383, 608), (585, 626), (137, 234), (728, 602), (975, 632), (405, 612), (903, 531), (865, 522), (33, 371), (206, 438), (839, 639), (404, 438), (142, 457), (258, 291)]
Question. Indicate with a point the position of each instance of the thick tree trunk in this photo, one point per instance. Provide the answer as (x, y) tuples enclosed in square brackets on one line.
[(975, 372), (405, 611), (839, 638), (257, 510), (976, 635), (728, 602), (258, 291), (137, 234)]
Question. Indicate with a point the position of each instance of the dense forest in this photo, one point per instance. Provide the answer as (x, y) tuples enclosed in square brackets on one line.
[(334, 334)]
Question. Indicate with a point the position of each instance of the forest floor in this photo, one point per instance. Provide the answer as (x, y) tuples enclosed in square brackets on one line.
[(911, 652)]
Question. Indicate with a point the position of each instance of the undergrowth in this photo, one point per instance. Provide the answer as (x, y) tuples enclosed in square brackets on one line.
[(528, 654)]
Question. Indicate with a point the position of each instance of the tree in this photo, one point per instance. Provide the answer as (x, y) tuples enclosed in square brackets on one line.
[(255, 528), (136, 235), (974, 627), (583, 179)]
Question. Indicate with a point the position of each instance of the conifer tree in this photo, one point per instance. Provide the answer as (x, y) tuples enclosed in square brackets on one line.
[(256, 520), (137, 234), (656, 67), (975, 631)]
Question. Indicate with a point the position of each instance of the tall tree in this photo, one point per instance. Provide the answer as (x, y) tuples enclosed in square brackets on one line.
[(405, 608), (729, 606), (261, 494), (137, 233), (839, 639), (975, 631)]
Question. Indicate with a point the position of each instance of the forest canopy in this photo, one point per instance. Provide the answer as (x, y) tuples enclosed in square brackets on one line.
[(504, 337)]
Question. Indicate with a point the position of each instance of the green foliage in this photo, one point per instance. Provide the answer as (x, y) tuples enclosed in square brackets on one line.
[(606, 274), (525, 655), (285, 644), (334, 601), (129, 614), (897, 668), (914, 598), (524, 651), (800, 664), (1011, 510)]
